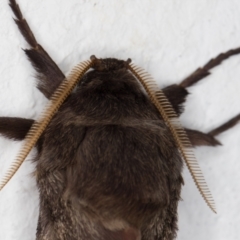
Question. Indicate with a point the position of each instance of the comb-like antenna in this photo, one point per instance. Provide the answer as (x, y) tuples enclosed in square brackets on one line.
[(170, 117), (39, 126)]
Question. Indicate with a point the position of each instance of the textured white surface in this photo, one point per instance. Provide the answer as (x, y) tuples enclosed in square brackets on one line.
[(169, 39)]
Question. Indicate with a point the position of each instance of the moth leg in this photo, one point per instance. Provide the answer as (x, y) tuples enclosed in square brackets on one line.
[(224, 127), (15, 128), (177, 96), (48, 73), (198, 138), (204, 71)]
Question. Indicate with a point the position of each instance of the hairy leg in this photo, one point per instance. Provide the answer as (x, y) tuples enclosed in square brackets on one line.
[(198, 138), (15, 128), (48, 73), (176, 96), (224, 127), (204, 71)]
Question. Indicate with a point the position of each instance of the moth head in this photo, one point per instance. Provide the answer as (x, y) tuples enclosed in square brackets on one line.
[(109, 64)]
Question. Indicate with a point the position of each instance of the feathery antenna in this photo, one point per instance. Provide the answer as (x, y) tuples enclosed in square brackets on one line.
[(170, 117), (39, 126)]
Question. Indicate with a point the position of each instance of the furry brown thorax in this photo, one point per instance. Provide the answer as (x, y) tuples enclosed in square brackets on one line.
[(96, 151)]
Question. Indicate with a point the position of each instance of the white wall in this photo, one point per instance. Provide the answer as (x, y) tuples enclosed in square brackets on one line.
[(168, 38)]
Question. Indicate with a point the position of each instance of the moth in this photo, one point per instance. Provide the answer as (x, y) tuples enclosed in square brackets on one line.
[(108, 164)]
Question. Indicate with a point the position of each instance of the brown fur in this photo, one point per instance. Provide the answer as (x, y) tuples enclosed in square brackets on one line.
[(107, 165), (101, 166)]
